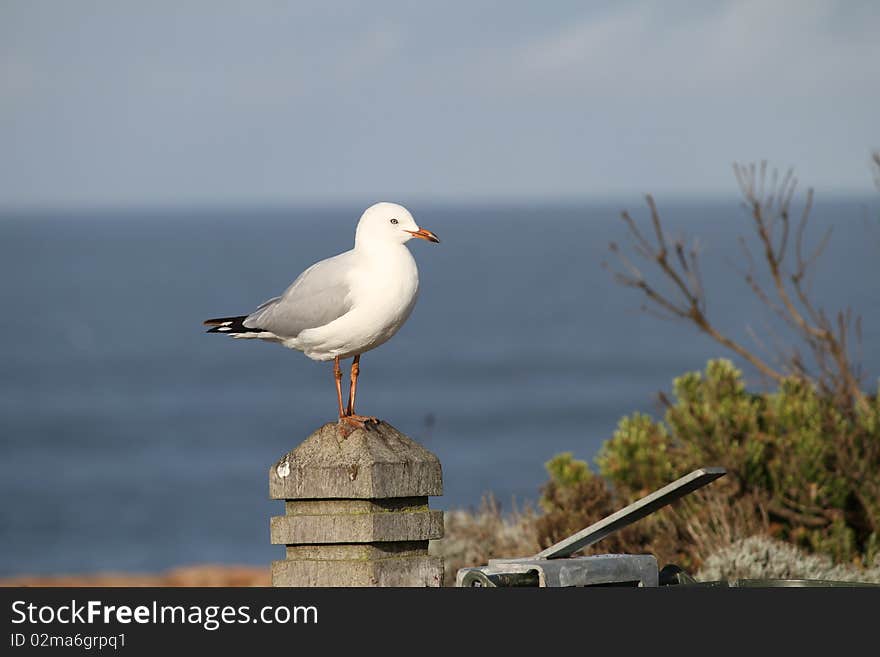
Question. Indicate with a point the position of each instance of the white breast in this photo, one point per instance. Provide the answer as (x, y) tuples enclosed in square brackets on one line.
[(384, 289)]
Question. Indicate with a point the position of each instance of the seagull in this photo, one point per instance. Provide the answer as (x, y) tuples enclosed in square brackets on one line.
[(346, 305)]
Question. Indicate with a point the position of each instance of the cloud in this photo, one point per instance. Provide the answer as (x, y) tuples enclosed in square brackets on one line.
[(728, 48), (167, 102)]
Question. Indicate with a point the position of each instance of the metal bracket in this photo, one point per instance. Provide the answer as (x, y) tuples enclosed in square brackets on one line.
[(596, 570)]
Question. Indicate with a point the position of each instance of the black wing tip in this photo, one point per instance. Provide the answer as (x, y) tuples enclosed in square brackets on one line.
[(226, 324), (233, 326)]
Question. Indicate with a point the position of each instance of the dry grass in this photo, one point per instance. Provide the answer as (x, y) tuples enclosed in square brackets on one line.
[(472, 538), (761, 557), (711, 520)]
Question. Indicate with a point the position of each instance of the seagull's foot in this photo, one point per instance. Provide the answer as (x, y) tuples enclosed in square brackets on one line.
[(349, 423), (358, 421)]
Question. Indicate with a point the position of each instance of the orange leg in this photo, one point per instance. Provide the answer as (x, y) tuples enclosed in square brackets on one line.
[(337, 374), (352, 391), (359, 421)]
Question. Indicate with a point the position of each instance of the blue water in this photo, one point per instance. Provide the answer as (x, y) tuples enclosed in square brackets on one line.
[(132, 440)]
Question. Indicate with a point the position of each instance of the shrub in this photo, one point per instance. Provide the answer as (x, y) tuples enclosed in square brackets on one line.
[(799, 466)]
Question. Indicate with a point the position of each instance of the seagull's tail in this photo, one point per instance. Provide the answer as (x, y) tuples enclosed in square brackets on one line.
[(235, 327)]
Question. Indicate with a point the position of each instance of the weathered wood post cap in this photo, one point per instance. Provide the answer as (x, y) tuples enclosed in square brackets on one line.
[(356, 510), (371, 463)]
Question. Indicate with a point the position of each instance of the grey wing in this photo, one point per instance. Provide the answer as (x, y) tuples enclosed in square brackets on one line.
[(317, 297)]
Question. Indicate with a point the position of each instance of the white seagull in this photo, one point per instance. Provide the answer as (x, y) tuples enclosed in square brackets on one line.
[(346, 305)]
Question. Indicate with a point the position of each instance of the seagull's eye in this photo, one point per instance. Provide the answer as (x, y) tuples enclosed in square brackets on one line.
[(394, 221)]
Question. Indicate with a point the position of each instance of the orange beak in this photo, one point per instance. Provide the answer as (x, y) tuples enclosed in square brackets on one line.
[(423, 234)]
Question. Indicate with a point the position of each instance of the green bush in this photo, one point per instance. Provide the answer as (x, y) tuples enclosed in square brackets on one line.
[(565, 470), (809, 467)]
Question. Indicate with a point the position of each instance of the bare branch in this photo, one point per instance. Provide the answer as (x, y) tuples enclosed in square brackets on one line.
[(686, 277), (658, 229), (768, 201), (634, 231)]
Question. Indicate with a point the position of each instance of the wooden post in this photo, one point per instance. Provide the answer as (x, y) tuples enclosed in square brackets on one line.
[(356, 510)]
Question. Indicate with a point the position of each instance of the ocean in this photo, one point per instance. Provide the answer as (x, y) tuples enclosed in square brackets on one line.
[(130, 440)]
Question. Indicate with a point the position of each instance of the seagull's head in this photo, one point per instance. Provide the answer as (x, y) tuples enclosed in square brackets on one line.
[(389, 223)]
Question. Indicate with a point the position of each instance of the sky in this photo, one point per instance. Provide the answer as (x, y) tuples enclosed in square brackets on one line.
[(214, 103)]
